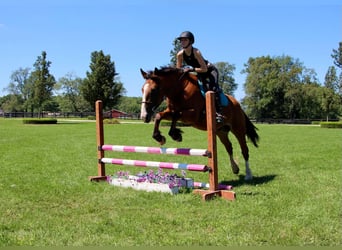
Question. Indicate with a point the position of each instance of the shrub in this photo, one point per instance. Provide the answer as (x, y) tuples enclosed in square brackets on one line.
[(40, 121), (331, 124), (111, 121), (178, 124), (315, 122)]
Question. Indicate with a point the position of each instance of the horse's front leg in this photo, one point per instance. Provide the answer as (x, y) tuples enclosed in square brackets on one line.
[(174, 132), (156, 132)]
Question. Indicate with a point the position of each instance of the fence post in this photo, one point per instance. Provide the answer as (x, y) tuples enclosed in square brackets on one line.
[(101, 172), (211, 130), (212, 158)]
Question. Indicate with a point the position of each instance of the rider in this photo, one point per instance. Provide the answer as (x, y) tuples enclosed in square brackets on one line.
[(193, 60)]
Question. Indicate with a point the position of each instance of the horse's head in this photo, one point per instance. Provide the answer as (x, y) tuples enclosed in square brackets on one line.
[(152, 95), (169, 82)]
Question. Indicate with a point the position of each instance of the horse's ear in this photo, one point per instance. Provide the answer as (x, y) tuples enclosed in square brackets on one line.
[(156, 70), (143, 73)]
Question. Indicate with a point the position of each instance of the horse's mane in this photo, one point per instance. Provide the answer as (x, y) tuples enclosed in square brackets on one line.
[(161, 71), (166, 70), (169, 70)]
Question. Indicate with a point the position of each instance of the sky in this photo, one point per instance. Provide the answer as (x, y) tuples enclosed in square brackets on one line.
[(139, 34)]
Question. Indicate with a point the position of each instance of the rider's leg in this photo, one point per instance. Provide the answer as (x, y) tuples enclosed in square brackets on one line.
[(216, 88), (219, 117)]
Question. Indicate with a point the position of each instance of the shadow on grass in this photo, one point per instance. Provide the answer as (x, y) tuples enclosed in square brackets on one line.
[(255, 181)]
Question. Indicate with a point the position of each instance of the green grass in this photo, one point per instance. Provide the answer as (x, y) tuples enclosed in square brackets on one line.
[(47, 200)]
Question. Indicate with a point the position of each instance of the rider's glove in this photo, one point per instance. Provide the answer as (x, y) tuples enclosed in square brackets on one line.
[(188, 68)]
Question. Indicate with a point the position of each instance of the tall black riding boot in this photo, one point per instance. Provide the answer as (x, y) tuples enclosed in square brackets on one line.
[(219, 116)]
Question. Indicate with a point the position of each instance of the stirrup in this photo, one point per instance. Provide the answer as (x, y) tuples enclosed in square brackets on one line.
[(219, 118)]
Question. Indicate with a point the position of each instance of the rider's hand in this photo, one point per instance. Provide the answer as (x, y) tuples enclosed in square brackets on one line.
[(188, 68)]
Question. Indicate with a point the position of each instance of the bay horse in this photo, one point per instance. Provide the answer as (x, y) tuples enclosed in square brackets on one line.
[(186, 103)]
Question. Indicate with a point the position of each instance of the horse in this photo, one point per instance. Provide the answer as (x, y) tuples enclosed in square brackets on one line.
[(186, 103)]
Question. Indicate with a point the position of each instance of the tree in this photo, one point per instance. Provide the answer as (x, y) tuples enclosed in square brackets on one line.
[(20, 88), (173, 53), (100, 83), (131, 105), (73, 101), (226, 79), (19, 80), (337, 56), (274, 87), (331, 79), (310, 107), (42, 82), (11, 103), (260, 86), (330, 98)]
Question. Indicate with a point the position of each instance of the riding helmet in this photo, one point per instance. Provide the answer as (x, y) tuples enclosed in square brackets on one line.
[(187, 34)]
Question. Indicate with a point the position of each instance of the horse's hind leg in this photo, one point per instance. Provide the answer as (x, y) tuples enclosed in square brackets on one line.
[(223, 136), (245, 153)]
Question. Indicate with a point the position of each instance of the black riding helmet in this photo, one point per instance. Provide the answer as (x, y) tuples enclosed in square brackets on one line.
[(187, 34)]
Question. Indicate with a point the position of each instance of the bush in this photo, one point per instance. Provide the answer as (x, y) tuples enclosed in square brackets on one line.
[(331, 124), (40, 121), (178, 124), (110, 121), (315, 122)]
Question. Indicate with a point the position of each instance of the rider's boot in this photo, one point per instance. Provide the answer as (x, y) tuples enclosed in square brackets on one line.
[(219, 116)]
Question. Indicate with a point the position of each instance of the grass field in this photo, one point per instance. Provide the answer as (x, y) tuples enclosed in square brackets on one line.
[(47, 200)]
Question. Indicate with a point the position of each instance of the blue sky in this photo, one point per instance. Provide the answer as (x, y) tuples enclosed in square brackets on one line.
[(139, 34)]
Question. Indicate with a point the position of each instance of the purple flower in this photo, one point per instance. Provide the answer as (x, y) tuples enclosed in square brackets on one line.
[(108, 178)]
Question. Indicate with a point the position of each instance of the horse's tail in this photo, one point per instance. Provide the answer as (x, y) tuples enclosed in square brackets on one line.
[(251, 131)]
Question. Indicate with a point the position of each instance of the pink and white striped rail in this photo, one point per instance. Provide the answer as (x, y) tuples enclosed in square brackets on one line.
[(167, 165), (156, 150), (206, 185)]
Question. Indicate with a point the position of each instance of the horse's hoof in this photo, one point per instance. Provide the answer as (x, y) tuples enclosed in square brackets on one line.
[(235, 169), (248, 177), (177, 137), (176, 134), (162, 141), (159, 138)]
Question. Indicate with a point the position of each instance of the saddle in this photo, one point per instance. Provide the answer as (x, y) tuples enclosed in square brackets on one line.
[(223, 98)]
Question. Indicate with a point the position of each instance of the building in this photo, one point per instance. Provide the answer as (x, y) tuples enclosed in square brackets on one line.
[(114, 113)]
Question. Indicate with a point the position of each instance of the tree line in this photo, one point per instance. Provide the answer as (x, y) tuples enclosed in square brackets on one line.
[(275, 87), (37, 90), (281, 87)]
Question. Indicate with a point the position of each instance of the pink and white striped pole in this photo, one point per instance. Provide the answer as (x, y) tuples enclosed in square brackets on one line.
[(156, 164), (206, 185), (156, 150)]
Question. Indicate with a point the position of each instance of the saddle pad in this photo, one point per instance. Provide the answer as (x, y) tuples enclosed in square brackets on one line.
[(223, 98)]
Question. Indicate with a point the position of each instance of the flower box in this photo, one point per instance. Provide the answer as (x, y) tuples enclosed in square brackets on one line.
[(151, 181), (186, 182), (133, 182)]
